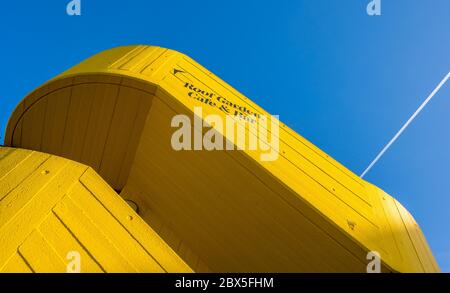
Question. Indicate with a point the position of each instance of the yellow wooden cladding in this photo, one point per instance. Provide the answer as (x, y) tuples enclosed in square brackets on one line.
[(50, 207), (222, 211)]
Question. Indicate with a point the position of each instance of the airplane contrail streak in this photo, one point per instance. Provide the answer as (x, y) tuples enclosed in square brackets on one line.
[(397, 135)]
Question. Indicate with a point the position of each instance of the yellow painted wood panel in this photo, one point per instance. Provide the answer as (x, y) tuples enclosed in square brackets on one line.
[(18, 198), (16, 264), (64, 241), (32, 126), (14, 230), (180, 181), (141, 59), (104, 100), (78, 121), (136, 226), (17, 138), (293, 146), (12, 159), (407, 259), (158, 225), (55, 120), (46, 260), (100, 247), (54, 206), (417, 239), (93, 122), (324, 193), (114, 231), (123, 129)]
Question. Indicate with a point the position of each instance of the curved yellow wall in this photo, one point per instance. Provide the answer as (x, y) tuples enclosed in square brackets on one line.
[(219, 210)]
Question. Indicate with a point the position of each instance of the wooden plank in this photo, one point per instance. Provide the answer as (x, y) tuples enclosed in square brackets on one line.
[(15, 229), (104, 100), (407, 260), (33, 125), (18, 198), (14, 127), (16, 264), (107, 223), (10, 158), (55, 120), (416, 237), (63, 241), (78, 121), (136, 132), (47, 260), (17, 135), (120, 134), (23, 168), (92, 238)]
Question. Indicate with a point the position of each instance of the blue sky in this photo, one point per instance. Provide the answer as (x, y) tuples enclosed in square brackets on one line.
[(344, 80)]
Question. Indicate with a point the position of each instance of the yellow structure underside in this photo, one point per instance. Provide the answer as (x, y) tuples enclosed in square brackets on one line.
[(220, 211)]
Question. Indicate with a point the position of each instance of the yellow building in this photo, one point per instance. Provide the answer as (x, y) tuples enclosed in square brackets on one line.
[(104, 128)]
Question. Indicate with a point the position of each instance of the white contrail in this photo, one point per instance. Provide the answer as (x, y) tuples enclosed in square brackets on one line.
[(406, 124)]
